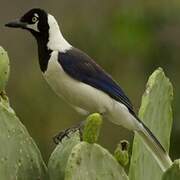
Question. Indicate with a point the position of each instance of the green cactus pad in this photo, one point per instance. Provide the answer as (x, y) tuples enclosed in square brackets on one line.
[(4, 68), (19, 156), (58, 160), (121, 153), (92, 128), (92, 162), (173, 173), (76, 160), (156, 112)]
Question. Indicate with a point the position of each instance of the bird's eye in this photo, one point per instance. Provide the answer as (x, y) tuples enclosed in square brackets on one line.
[(34, 19)]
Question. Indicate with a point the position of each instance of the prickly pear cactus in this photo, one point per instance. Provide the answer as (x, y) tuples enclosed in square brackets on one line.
[(91, 162), (121, 153), (92, 128), (156, 112), (58, 160), (4, 68), (85, 160), (19, 156), (173, 173)]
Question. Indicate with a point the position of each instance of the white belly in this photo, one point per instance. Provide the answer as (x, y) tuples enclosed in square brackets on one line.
[(74, 92), (84, 97)]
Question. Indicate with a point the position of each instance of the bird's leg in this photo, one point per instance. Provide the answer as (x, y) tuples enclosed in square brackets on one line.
[(65, 133)]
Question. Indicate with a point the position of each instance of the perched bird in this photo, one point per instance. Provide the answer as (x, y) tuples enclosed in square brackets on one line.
[(75, 77)]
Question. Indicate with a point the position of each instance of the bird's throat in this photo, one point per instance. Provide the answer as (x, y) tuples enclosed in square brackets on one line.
[(43, 52)]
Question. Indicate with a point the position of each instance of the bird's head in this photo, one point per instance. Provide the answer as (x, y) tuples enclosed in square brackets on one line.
[(44, 27), (35, 21)]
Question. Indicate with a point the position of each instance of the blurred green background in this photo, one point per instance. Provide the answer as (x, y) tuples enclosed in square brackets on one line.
[(129, 38)]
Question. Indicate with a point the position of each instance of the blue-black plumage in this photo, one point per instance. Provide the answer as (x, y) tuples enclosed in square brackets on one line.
[(81, 67)]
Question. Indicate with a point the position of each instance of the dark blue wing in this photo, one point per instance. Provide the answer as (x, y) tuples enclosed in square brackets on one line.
[(81, 67)]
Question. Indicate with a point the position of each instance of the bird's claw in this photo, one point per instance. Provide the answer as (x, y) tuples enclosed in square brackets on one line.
[(65, 133)]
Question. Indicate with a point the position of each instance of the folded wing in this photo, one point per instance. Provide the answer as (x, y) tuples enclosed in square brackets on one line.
[(81, 67)]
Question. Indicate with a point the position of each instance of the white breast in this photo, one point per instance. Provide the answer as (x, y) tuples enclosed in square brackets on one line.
[(78, 94), (83, 97)]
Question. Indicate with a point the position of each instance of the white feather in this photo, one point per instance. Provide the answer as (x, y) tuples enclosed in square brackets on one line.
[(56, 40), (85, 97)]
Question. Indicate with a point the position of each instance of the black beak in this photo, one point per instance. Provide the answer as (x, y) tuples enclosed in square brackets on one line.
[(16, 24)]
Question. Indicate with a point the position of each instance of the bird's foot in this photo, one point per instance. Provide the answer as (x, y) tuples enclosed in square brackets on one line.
[(65, 133)]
